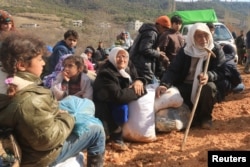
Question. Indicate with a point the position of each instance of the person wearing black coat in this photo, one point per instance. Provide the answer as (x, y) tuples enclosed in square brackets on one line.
[(232, 81), (186, 73), (144, 53), (115, 86)]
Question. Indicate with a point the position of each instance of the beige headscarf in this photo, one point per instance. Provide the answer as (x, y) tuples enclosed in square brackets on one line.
[(196, 51), (112, 58)]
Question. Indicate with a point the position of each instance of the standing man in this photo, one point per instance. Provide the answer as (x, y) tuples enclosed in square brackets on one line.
[(240, 44), (143, 53), (63, 47), (171, 40)]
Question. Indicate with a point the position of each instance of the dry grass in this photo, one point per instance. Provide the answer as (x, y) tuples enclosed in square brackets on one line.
[(51, 29)]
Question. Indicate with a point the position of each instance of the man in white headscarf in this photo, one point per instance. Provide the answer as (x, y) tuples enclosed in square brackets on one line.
[(186, 73)]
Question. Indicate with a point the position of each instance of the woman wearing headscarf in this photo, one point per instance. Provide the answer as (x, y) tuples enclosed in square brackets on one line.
[(6, 22), (115, 86), (186, 73)]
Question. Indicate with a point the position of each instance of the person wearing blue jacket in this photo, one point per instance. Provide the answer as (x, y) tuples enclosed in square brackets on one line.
[(63, 47)]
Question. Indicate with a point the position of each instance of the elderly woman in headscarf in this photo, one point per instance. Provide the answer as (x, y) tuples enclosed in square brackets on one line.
[(115, 86), (186, 73)]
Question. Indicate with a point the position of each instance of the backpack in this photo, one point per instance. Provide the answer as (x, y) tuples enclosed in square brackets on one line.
[(10, 152)]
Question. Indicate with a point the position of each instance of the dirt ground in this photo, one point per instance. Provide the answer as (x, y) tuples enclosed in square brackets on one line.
[(230, 131)]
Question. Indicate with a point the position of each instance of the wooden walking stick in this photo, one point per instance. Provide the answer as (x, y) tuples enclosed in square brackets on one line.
[(196, 99)]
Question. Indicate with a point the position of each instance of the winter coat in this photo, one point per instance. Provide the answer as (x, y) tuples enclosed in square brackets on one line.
[(111, 88), (39, 129), (232, 76), (248, 40), (60, 49), (143, 52), (179, 68), (85, 86), (170, 42)]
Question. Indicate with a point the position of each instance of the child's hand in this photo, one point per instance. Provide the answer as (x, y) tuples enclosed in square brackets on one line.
[(65, 76)]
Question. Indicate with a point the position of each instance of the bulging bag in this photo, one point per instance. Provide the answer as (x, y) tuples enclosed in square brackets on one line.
[(83, 110), (141, 123), (172, 119), (171, 98)]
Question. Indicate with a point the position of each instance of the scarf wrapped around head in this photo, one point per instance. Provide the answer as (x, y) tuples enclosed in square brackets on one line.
[(5, 17), (194, 50), (48, 79), (112, 58)]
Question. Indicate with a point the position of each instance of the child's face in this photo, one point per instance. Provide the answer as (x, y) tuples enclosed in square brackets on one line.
[(71, 41), (176, 26), (36, 66), (70, 69)]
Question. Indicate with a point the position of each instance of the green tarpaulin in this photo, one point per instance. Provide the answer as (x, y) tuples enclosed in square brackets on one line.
[(194, 16)]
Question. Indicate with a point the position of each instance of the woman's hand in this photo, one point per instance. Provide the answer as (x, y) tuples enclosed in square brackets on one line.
[(138, 87), (160, 90), (203, 78)]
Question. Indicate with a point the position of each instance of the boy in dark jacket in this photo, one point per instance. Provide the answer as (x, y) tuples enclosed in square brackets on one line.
[(63, 47)]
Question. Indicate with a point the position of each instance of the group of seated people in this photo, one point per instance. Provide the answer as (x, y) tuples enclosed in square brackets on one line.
[(44, 129)]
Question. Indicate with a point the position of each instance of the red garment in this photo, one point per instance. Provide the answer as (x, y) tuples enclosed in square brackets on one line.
[(90, 66)]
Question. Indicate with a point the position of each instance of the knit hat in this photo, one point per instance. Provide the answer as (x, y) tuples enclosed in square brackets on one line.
[(164, 21), (5, 17)]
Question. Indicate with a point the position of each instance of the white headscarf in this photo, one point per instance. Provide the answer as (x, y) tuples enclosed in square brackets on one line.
[(112, 58), (196, 51)]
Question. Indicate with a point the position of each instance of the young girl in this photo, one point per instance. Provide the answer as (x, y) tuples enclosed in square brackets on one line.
[(41, 129), (72, 80)]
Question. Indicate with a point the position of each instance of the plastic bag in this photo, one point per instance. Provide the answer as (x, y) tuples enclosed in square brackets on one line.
[(83, 110), (171, 98), (76, 161), (141, 123), (167, 120)]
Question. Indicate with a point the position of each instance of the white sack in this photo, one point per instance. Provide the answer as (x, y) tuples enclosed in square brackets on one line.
[(76, 161), (141, 123), (171, 98)]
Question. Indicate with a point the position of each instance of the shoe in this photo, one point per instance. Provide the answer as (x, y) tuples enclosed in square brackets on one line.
[(207, 125), (239, 88), (119, 145), (246, 71)]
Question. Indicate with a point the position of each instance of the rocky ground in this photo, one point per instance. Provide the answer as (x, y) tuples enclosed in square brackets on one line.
[(230, 131)]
